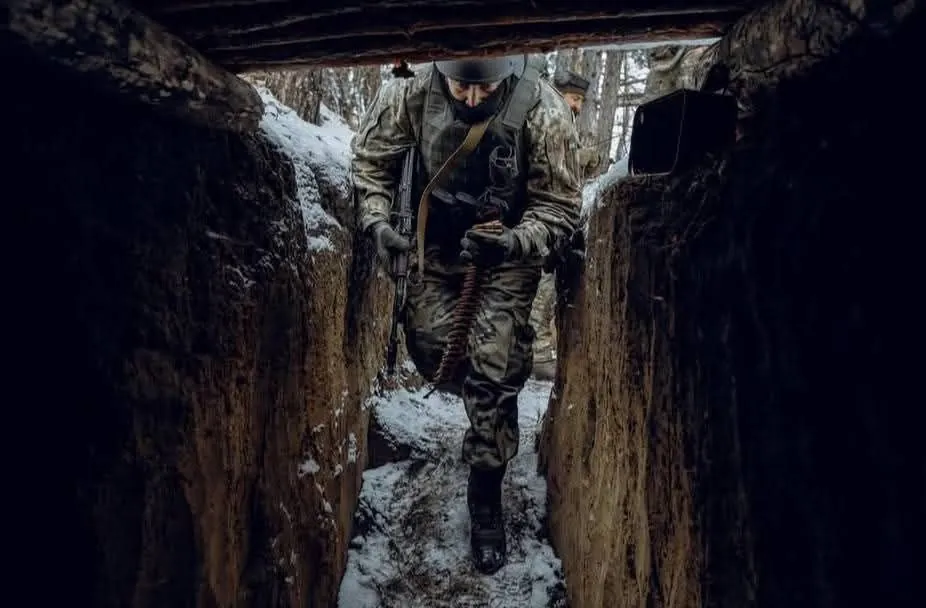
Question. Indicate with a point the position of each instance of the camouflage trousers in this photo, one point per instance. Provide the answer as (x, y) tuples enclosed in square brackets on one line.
[(499, 349), (543, 321)]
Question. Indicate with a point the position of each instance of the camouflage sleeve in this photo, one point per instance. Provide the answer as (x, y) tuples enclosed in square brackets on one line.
[(385, 132), (553, 179)]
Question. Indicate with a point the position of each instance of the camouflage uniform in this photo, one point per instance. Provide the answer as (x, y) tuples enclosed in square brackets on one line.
[(543, 321), (501, 338), (672, 68), (543, 314)]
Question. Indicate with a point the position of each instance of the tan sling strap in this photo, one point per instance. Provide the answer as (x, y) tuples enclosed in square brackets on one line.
[(473, 136)]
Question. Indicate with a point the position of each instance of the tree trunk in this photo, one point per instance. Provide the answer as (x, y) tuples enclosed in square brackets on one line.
[(623, 144), (369, 79), (331, 91), (298, 89), (345, 91), (566, 60), (590, 69), (610, 97)]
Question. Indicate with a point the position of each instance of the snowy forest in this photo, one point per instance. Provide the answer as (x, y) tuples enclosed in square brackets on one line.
[(620, 81)]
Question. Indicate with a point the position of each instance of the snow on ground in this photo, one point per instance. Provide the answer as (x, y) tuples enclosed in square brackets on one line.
[(411, 548), (595, 187), (322, 151), (334, 125)]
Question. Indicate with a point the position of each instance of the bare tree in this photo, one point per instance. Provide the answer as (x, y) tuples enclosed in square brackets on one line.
[(633, 79), (366, 82), (345, 91), (332, 93), (566, 60), (623, 139), (612, 83), (298, 89), (616, 87), (590, 69)]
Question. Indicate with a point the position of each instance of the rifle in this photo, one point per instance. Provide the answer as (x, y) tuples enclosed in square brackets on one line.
[(403, 225)]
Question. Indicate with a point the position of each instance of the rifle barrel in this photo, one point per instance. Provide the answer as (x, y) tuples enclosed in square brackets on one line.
[(400, 262)]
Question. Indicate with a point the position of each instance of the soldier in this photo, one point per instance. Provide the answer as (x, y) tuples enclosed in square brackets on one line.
[(543, 321), (525, 167), (573, 89)]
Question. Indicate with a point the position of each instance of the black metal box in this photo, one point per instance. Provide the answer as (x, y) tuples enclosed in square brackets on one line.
[(675, 131)]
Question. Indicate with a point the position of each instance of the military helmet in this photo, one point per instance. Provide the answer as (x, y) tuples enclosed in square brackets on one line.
[(570, 82), (481, 69)]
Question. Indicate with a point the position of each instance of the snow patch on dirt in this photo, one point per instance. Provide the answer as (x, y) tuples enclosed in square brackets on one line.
[(411, 548), (317, 152), (591, 193)]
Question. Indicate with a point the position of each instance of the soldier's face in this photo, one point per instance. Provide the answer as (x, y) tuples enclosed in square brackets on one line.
[(472, 94), (575, 101)]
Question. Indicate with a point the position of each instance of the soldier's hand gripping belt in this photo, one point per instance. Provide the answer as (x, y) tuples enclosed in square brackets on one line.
[(489, 248)]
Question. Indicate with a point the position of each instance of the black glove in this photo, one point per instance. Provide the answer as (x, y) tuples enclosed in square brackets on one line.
[(388, 241), (487, 249)]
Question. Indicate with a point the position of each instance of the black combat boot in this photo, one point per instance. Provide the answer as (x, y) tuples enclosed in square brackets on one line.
[(487, 527)]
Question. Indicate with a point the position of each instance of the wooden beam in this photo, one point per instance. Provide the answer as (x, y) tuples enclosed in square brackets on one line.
[(267, 11), (383, 22), (428, 45), (125, 51), (242, 33), (290, 19)]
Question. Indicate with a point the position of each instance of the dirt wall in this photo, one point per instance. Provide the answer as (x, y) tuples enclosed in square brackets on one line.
[(734, 419), (194, 370)]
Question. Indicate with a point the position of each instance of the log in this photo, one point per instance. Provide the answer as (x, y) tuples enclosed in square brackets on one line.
[(288, 22), (224, 13), (293, 33), (126, 52), (437, 44), (384, 22)]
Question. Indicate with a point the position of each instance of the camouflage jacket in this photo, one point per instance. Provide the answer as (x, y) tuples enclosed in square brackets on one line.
[(553, 184)]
